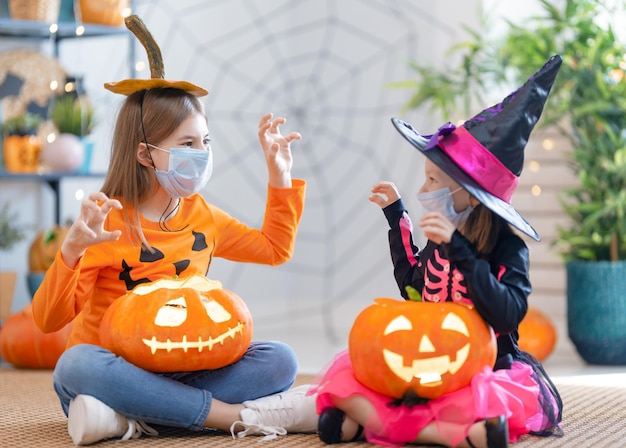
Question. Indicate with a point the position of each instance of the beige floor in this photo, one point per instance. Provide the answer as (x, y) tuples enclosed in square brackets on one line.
[(593, 415)]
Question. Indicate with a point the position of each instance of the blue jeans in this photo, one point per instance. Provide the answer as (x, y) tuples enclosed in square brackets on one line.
[(172, 399)]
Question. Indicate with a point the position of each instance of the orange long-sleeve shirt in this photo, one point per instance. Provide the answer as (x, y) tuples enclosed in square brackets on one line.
[(108, 270)]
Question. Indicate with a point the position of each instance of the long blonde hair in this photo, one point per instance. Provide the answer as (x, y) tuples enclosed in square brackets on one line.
[(150, 115)]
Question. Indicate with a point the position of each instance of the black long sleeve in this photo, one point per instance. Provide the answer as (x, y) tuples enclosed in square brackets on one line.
[(498, 287)]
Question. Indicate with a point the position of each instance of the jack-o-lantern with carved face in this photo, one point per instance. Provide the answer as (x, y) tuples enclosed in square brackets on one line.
[(420, 348), (173, 325)]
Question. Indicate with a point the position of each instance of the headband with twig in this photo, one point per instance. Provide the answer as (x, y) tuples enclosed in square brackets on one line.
[(157, 71)]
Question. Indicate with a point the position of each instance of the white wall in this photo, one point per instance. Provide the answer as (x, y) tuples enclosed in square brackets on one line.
[(323, 65)]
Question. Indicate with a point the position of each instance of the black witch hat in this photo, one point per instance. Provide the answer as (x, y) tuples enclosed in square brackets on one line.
[(486, 154)]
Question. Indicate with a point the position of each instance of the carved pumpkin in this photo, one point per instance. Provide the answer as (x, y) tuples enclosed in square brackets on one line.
[(181, 324), (537, 334), (45, 246), (25, 346), (21, 153), (422, 348)]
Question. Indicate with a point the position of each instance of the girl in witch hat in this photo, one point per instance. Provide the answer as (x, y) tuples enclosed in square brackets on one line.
[(474, 257), (148, 223)]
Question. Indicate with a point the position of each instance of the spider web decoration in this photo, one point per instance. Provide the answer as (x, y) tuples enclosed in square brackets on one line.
[(323, 65)]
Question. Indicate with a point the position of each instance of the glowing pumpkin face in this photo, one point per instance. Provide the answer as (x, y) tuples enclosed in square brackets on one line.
[(174, 325), (425, 348)]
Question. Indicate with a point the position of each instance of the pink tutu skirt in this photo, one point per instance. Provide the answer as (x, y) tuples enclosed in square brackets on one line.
[(509, 392)]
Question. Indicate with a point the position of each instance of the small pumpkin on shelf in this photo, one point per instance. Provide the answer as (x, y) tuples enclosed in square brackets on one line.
[(421, 348), (178, 324), (21, 144), (103, 12)]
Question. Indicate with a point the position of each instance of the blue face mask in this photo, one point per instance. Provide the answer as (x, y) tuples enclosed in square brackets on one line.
[(188, 171), (441, 201)]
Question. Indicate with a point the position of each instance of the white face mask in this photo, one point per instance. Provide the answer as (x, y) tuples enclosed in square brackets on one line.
[(188, 171), (441, 201)]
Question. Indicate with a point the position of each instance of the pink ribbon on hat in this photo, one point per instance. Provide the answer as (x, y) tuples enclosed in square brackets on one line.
[(476, 160)]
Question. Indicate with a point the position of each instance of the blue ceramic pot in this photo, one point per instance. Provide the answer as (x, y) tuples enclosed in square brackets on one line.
[(596, 310), (85, 168), (34, 279)]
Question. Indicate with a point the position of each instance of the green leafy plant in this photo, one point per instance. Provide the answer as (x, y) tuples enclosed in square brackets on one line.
[(587, 104), (25, 124), (11, 232), (73, 115)]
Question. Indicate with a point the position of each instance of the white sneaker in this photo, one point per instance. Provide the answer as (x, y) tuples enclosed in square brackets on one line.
[(89, 420), (278, 414)]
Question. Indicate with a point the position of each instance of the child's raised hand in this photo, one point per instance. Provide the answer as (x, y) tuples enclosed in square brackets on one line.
[(437, 228), (277, 150), (88, 229), (384, 193)]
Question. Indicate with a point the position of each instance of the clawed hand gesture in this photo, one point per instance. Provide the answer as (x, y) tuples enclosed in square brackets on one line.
[(277, 150), (88, 229)]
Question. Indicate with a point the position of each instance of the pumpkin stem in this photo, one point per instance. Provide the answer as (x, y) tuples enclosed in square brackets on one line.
[(414, 294), (138, 28)]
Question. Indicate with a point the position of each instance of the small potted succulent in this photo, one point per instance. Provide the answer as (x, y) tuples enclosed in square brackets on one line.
[(74, 115)]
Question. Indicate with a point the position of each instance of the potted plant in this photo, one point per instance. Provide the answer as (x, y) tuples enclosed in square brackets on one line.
[(11, 233), (588, 106), (21, 145), (73, 117), (72, 114)]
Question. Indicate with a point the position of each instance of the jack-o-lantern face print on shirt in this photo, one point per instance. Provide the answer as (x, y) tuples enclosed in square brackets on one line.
[(138, 264)]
